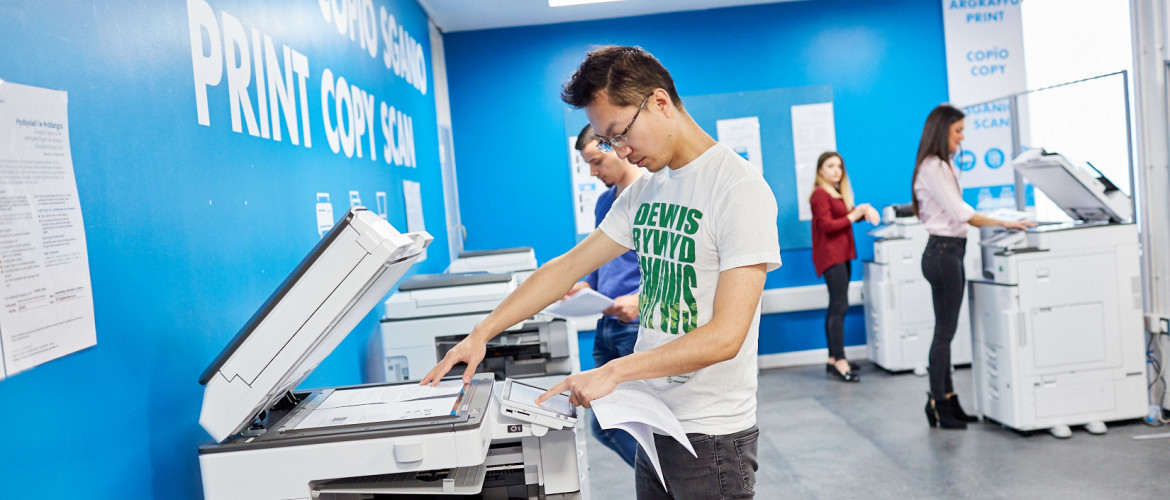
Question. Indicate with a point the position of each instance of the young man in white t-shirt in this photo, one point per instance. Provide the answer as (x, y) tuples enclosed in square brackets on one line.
[(704, 227)]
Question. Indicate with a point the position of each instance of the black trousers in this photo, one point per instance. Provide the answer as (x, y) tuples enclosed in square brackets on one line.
[(942, 266), (837, 280)]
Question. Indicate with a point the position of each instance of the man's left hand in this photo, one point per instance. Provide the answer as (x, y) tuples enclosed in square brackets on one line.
[(583, 387), (624, 308)]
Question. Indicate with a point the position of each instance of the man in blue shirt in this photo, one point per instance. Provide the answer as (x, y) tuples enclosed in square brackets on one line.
[(617, 330)]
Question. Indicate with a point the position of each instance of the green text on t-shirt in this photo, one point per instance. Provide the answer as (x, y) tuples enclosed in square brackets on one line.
[(664, 239)]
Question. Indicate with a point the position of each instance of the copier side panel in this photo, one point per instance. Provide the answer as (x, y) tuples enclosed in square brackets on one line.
[(994, 327), (1130, 316), (1070, 301), (558, 456), (876, 290)]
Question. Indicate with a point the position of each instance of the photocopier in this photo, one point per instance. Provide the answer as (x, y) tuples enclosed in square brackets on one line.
[(520, 261), (1057, 314), (272, 441), (431, 313), (899, 311)]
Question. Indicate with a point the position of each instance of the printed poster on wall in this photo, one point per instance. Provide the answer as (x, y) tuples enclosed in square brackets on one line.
[(813, 133), (742, 135), (586, 190), (46, 302), (412, 196), (985, 63)]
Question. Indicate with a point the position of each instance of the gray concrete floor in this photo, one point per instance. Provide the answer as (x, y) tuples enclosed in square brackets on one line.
[(826, 439)]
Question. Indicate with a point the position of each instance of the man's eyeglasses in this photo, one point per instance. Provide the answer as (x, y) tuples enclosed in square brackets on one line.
[(619, 140)]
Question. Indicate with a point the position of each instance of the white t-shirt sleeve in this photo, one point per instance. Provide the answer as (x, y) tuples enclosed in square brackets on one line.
[(746, 226), (617, 223)]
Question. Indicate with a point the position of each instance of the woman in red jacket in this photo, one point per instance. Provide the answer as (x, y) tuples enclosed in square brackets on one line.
[(833, 215)]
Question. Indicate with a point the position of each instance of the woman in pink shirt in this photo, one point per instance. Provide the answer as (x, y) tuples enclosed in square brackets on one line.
[(938, 202)]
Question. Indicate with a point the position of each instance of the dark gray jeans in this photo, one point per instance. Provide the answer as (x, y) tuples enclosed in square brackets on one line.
[(725, 468)]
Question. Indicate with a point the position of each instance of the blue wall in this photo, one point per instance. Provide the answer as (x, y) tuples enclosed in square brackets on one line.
[(189, 228), (884, 61)]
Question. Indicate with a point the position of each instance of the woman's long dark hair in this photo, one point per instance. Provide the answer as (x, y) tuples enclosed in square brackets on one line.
[(935, 137)]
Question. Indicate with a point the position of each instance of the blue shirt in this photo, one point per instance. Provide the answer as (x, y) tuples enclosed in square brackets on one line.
[(619, 276)]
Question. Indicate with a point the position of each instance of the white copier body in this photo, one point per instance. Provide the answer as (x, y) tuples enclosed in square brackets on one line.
[(899, 311), (431, 313), (1057, 315), (251, 410), (521, 262)]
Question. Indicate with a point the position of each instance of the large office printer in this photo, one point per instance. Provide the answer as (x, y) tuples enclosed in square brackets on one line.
[(275, 442), (520, 261), (431, 313), (899, 311), (1057, 315)]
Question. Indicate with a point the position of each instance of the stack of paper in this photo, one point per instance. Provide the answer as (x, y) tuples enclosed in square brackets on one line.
[(633, 407)]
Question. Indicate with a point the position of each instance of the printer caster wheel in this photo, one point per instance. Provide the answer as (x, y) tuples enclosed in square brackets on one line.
[(1097, 428), (1060, 432)]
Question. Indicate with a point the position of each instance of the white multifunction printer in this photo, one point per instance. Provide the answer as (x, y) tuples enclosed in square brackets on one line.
[(520, 261), (1057, 315), (431, 313), (366, 441), (899, 311)]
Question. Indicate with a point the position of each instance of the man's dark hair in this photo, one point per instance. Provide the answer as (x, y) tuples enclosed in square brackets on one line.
[(585, 137), (626, 74)]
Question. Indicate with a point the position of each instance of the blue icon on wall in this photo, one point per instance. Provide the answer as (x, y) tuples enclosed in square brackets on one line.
[(965, 160), (993, 158)]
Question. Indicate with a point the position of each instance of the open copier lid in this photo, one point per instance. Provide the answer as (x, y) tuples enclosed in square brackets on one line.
[(309, 314), (1079, 193)]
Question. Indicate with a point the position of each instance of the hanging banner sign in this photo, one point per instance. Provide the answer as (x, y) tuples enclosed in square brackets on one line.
[(985, 62)]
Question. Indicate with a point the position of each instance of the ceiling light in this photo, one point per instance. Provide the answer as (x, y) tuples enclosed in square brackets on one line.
[(563, 3)]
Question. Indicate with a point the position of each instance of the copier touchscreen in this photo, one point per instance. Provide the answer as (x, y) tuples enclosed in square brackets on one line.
[(525, 394)]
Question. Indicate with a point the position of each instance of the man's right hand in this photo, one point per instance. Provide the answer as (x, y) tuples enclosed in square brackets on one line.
[(577, 287), (469, 350)]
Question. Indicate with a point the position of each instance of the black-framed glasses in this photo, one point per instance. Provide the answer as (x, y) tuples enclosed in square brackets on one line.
[(619, 140)]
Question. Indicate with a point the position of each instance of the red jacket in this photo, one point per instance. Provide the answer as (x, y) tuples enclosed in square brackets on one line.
[(832, 231)]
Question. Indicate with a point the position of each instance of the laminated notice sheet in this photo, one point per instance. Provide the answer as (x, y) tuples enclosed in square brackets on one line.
[(46, 302)]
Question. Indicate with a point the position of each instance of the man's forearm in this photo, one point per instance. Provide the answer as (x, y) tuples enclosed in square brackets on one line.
[(702, 347), (737, 297)]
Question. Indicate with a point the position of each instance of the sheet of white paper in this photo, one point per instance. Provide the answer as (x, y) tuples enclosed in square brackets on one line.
[(582, 303), (813, 133), (390, 412), (634, 408), (46, 303), (389, 394), (412, 195), (742, 135)]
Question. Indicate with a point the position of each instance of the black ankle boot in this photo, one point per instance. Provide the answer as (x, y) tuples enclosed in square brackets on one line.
[(957, 410), (942, 416)]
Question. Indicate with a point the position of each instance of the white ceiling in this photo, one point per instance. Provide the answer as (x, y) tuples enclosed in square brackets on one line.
[(469, 15)]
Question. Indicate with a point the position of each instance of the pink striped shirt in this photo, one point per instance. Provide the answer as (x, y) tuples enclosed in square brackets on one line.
[(940, 201)]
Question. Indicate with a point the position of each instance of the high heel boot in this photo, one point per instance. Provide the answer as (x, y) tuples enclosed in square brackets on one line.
[(941, 415), (957, 410)]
